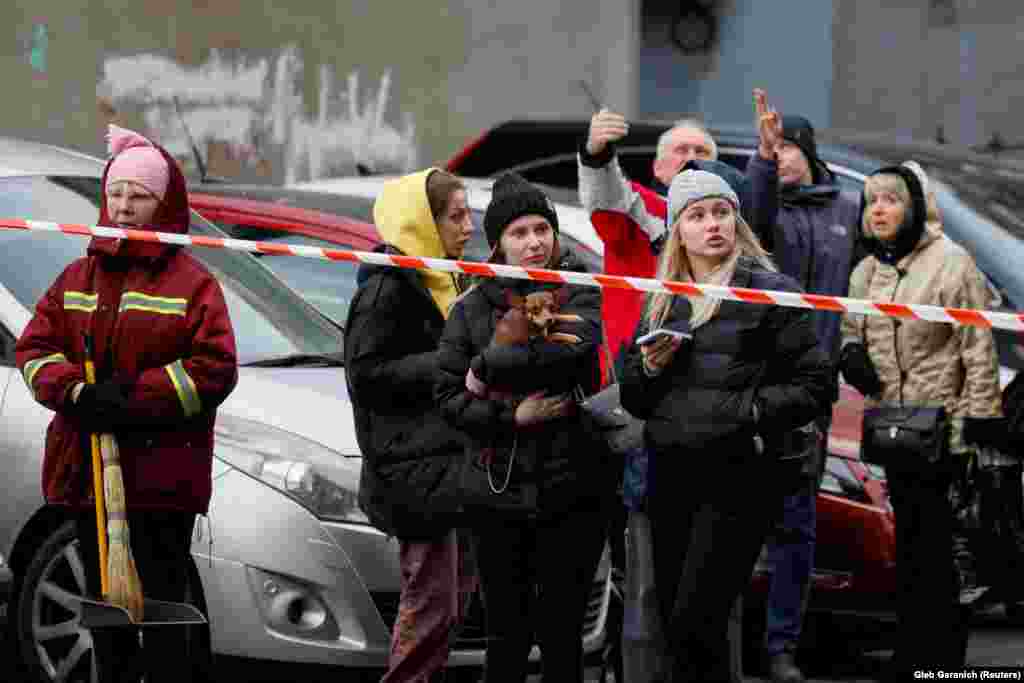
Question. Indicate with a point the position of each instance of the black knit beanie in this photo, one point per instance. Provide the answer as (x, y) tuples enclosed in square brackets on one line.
[(800, 132), (512, 197)]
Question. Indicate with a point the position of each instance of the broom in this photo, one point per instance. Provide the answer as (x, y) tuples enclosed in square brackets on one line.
[(118, 576)]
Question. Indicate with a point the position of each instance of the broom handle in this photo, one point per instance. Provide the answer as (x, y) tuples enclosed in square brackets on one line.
[(97, 480)]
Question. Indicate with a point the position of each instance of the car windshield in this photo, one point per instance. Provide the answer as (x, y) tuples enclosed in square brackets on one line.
[(270, 320), (328, 285)]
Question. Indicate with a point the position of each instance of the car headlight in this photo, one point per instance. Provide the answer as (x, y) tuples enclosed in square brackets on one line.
[(323, 481)]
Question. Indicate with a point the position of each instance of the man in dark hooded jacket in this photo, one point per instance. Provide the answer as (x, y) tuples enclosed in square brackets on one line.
[(810, 227)]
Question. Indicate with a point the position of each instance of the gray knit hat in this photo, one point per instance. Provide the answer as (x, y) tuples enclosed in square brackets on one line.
[(692, 186)]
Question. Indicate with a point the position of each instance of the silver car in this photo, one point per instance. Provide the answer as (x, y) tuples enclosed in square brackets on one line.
[(285, 564)]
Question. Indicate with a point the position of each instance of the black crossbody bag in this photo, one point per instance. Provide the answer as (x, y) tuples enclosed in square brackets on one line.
[(905, 437)]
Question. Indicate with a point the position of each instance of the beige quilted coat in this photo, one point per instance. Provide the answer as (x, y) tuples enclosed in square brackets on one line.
[(955, 365)]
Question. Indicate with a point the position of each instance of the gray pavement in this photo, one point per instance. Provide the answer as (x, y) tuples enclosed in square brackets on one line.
[(994, 642)]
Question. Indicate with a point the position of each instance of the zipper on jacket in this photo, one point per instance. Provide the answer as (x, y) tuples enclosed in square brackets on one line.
[(896, 322)]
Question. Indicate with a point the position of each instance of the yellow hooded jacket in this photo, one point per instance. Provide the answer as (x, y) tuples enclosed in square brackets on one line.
[(403, 217)]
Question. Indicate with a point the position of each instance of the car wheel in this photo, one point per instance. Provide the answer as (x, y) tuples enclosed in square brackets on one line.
[(54, 647)]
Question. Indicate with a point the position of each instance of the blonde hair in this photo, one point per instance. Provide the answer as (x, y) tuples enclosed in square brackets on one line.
[(690, 124), (674, 264), (897, 185)]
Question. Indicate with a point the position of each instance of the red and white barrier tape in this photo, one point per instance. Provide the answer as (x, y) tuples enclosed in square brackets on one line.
[(960, 316)]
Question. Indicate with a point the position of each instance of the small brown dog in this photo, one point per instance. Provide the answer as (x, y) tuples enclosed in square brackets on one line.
[(535, 315), (528, 317)]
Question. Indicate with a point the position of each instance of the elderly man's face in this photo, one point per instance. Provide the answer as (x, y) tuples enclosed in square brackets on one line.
[(683, 145)]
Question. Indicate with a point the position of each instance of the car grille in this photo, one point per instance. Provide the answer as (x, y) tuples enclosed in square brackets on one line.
[(473, 636)]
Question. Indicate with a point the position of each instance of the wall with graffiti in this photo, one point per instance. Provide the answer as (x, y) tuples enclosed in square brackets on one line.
[(289, 93), (298, 91), (243, 114)]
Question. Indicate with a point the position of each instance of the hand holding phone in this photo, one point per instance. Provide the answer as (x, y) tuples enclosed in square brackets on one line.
[(660, 333), (659, 347)]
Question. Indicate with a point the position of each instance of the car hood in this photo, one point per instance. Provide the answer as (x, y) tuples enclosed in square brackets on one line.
[(310, 402)]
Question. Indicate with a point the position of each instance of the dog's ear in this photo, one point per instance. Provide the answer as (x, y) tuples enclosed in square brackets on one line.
[(513, 299)]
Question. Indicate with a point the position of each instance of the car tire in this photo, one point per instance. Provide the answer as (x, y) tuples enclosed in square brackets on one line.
[(52, 645)]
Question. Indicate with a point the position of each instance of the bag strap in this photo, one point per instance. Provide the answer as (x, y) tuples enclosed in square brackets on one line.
[(508, 473), (895, 332), (609, 360)]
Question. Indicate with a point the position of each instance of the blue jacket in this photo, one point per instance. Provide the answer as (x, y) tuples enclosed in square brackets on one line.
[(814, 239)]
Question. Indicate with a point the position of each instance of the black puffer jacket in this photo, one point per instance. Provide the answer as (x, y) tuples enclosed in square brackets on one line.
[(702, 400), (558, 457), (407, 485)]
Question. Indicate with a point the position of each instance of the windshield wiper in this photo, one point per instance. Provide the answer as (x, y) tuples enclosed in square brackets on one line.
[(320, 360)]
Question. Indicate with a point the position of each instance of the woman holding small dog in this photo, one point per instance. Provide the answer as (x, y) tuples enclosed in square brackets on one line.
[(536, 558), (716, 398)]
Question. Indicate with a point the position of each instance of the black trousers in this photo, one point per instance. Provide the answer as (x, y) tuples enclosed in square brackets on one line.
[(933, 627), (536, 580), (160, 546), (710, 514)]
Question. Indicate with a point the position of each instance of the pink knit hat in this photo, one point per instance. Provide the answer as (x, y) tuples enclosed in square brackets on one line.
[(136, 159)]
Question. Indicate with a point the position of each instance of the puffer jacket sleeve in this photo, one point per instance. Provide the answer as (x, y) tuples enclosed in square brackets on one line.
[(43, 349), (981, 394), (640, 393), (851, 327), (479, 417), (604, 187), (798, 383), (376, 368), (199, 381), (763, 175), (538, 361)]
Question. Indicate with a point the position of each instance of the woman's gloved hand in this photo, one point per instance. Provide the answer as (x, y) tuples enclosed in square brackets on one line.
[(990, 432), (102, 406), (858, 370)]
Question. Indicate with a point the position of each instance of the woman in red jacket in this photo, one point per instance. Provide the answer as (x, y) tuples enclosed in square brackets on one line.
[(165, 358)]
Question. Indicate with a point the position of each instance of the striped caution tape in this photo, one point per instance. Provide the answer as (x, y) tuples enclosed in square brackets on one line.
[(959, 316)]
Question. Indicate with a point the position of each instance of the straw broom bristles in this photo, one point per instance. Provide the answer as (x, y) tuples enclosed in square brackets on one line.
[(124, 583)]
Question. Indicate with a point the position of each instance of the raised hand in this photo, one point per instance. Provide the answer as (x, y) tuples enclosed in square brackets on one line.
[(605, 126), (768, 124)]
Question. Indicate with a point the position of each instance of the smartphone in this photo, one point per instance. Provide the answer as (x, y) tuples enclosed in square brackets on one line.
[(590, 95), (652, 337)]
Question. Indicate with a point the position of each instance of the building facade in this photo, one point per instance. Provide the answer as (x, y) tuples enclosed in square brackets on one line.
[(283, 91)]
